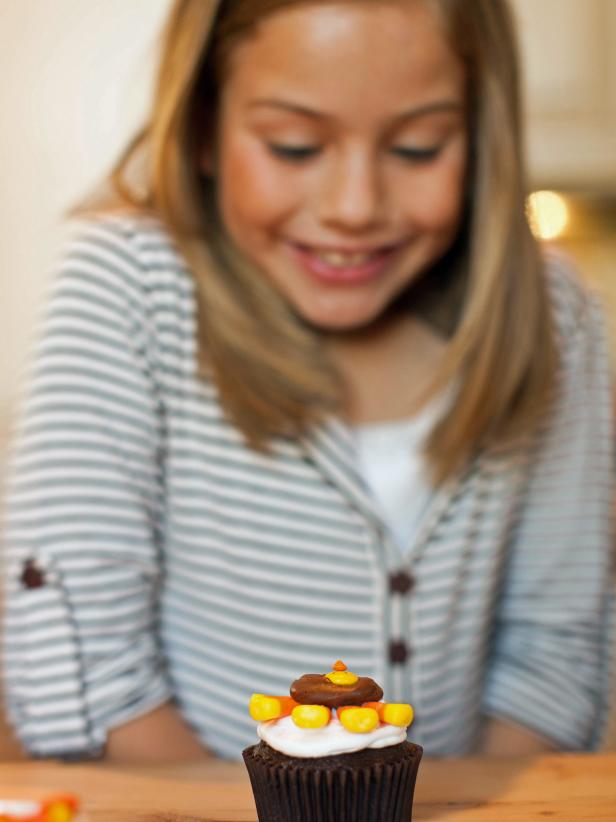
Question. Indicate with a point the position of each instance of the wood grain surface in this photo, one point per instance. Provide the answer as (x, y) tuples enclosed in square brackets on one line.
[(557, 787)]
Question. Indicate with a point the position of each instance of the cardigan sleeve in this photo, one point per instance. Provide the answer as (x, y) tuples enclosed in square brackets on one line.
[(83, 510), (550, 666)]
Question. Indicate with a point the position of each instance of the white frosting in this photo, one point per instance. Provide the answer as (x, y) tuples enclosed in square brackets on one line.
[(284, 735)]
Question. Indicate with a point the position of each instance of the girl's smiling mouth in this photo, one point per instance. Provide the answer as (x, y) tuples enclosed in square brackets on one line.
[(336, 266)]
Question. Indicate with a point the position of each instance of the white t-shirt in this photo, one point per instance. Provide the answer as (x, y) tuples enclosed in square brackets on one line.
[(391, 461)]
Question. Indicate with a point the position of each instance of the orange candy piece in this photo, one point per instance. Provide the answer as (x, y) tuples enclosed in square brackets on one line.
[(263, 707), (339, 665)]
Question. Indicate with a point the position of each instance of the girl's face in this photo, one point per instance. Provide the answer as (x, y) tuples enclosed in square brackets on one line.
[(341, 154)]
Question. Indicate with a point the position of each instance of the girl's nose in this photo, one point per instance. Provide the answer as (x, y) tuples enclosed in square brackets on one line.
[(352, 195)]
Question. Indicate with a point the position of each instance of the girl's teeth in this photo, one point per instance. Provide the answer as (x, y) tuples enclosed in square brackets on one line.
[(336, 258)]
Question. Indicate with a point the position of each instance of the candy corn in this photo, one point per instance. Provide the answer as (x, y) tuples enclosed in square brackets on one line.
[(263, 707), (54, 809), (342, 677), (393, 713), (311, 716), (358, 720)]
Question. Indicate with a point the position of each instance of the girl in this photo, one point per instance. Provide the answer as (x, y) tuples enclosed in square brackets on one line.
[(308, 389)]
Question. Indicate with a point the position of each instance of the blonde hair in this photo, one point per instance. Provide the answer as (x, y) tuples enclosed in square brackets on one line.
[(488, 294)]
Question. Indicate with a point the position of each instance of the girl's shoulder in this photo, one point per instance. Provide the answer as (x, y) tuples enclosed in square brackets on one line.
[(135, 250)]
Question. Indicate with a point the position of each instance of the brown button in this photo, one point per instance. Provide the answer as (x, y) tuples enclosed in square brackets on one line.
[(398, 652), (401, 583), (31, 576)]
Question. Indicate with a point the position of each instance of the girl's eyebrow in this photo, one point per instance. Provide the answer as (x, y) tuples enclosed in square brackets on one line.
[(418, 111)]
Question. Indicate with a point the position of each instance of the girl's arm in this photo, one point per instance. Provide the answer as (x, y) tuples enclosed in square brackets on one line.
[(159, 736), (505, 739), (85, 511), (549, 668)]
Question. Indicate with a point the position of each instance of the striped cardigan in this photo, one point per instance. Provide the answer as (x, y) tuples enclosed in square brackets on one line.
[(152, 556)]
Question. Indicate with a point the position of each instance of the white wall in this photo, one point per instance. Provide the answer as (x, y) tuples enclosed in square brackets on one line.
[(75, 80)]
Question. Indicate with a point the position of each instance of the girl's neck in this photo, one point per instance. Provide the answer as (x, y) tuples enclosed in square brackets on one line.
[(387, 367)]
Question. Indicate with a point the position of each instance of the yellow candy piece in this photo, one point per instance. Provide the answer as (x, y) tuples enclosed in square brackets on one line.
[(359, 720), (59, 812), (262, 708), (397, 714), (310, 716), (342, 677)]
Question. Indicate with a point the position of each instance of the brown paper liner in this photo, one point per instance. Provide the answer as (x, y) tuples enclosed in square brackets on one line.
[(374, 785)]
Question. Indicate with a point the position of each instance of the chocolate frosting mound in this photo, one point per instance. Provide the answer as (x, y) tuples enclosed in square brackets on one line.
[(317, 689)]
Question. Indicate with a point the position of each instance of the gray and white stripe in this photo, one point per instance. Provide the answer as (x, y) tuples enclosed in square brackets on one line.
[(181, 565)]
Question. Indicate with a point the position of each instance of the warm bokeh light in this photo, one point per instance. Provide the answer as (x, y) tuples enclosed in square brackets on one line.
[(548, 214)]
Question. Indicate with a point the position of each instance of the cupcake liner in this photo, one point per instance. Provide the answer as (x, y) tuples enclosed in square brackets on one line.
[(373, 785)]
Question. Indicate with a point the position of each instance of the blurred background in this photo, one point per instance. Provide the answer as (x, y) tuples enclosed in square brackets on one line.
[(75, 81)]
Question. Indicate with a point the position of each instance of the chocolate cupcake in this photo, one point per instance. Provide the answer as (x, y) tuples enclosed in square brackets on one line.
[(332, 752)]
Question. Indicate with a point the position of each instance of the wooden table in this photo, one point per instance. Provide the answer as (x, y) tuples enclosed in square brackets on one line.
[(559, 787)]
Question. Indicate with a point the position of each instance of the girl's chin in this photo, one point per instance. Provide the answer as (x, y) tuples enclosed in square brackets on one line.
[(339, 322)]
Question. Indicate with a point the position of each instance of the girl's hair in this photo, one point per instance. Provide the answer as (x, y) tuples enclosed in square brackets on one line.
[(487, 295)]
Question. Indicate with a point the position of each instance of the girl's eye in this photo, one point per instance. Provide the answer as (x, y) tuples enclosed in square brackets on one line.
[(299, 153), (295, 153), (418, 155)]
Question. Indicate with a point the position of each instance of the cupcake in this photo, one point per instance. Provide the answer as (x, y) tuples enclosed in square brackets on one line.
[(332, 751)]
